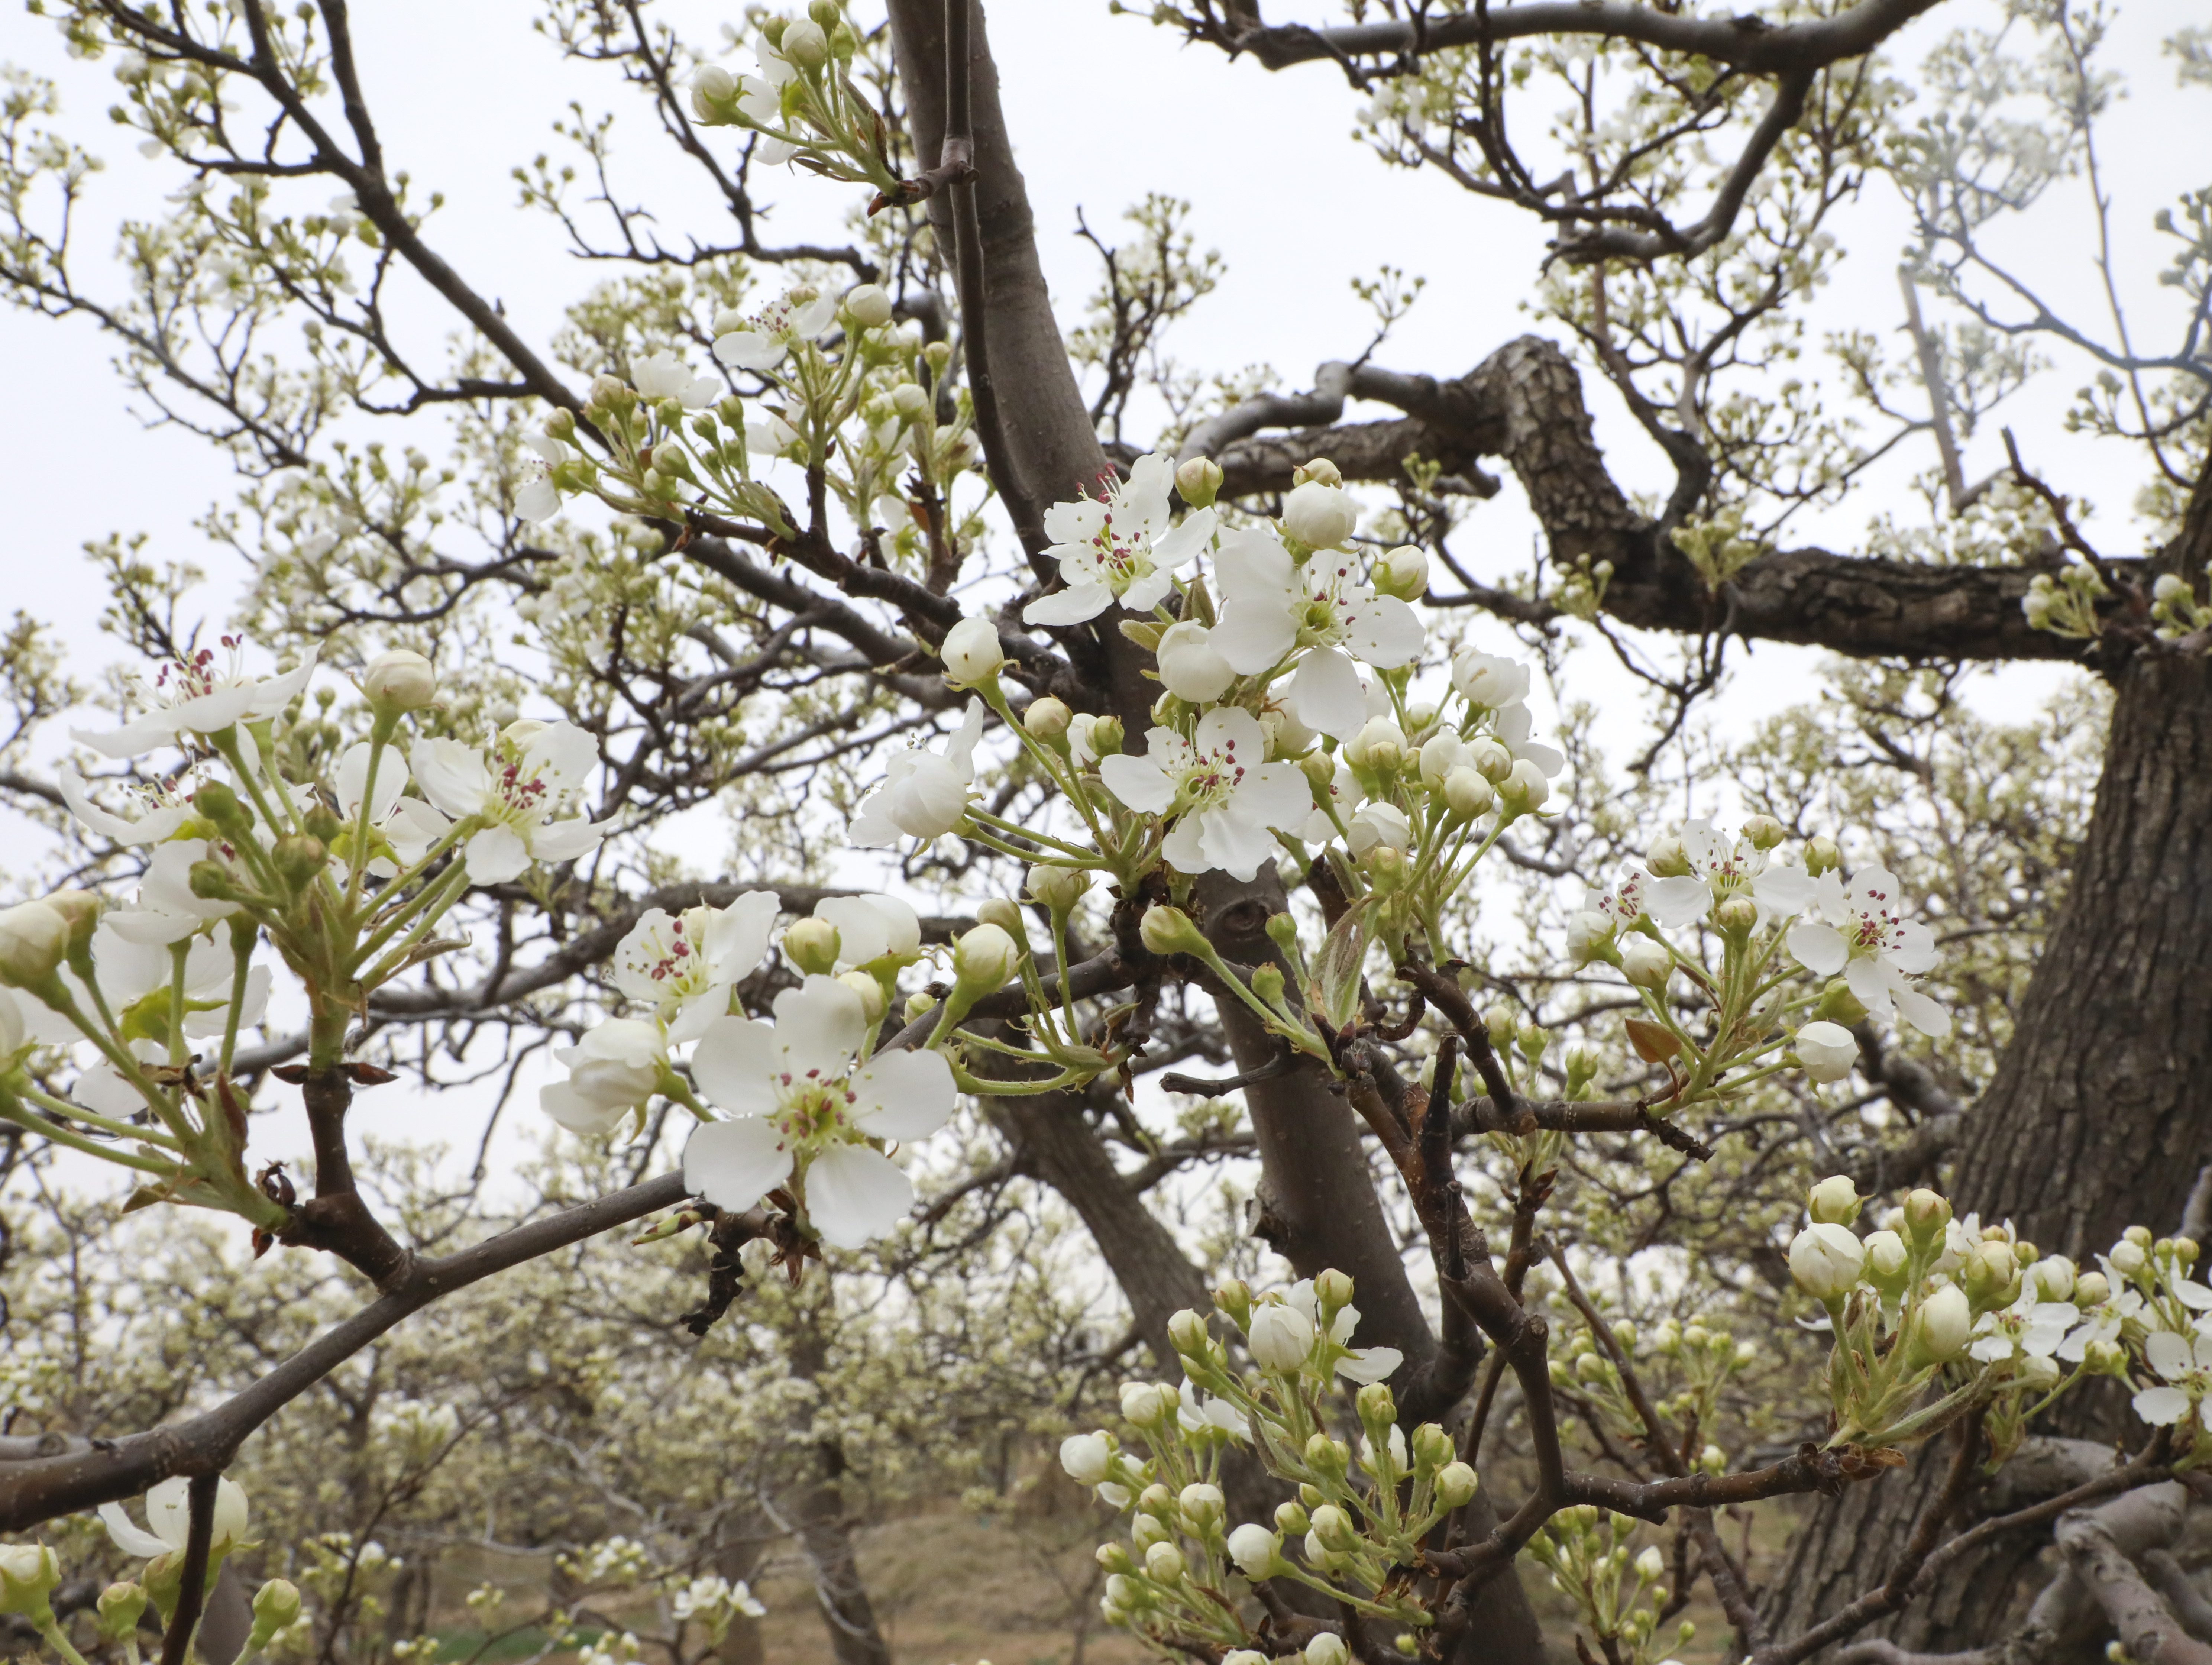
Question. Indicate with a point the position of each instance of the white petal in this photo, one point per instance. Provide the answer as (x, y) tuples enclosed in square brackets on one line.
[(733, 1066), (1070, 606), (1922, 1013), (818, 1026), (1137, 782), (130, 1539), (1820, 949), (1785, 890), (1254, 633), (537, 501), (1371, 1364), (733, 1164), (854, 1194), (1233, 843), (2161, 1406), (1677, 901), (579, 1114), (1385, 633), (2168, 1353), (495, 855), (1326, 694), (902, 1095)]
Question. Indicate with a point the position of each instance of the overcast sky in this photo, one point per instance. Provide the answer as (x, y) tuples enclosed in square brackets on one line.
[(1102, 110)]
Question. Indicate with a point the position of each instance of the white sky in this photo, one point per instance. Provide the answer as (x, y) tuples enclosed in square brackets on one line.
[(1102, 110)]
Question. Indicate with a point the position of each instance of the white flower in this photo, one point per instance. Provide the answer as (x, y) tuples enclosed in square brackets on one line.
[(1826, 1262), (1199, 1413), (2187, 1371), (167, 1512), (871, 927), (166, 911), (1720, 867), (925, 793), (129, 969), (1253, 1549), (1225, 798), (760, 343), (532, 774), (1827, 1050), (662, 375), (2102, 1322), (1369, 1365), (1514, 725), (1378, 823), (2028, 1328), (1323, 517), (1945, 1321), (1877, 949), (612, 1070), (801, 1112), (1271, 607), (163, 812), (1120, 547), (684, 965), (539, 499), (1189, 668), (199, 697)]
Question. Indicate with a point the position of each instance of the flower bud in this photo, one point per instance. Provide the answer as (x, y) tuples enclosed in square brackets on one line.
[(1826, 1051), (1455, 1485), (1254, 1549), (1047, 718), (1333, 1290), (1333, 1528), (298, 857), (2127, 1258), (1941, 1327), (1827, 1261), (1280, 1336), (118, 1611), (2139, 1236), (276, 1605), (2091, 1288), (812, 946), (1186, 1332), (873, 1003), (1926, 1214), (804, 44), (1736, 915), (1834, 1201), (1059, 888), (400, 680), (29, 1573), (1404, 573), (82, 909), (33, 939), (1198, 482), (1322, 517), (868, 306), (1466, 795), (971, 652), (1201, 1505), (1163, 1562), (1646, 964), (1666, 857), (1327, 1649), (1088, 1458), (1491, 759), (984, 958), (1380, 745), (1166, 930), (2105, 1357), (1989, 1271), (1650, 1563), (1764, 832), (1821, 855), (910, 400), (1887, 1261), (1524, 787)]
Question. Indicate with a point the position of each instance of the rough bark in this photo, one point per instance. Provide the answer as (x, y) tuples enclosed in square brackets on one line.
[(824, 1530)]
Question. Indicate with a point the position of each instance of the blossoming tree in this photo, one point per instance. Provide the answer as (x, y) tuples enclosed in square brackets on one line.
[(1213, 771)]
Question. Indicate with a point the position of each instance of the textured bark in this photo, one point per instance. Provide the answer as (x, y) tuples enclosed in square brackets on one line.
[(825, 1535)]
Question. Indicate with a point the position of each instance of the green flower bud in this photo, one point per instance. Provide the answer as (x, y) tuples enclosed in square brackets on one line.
[(1166, 930), (1198, 482), (1821, 855), (984, 958), (1926, 1214), (298, 858), (1059, 888), (1764, 832), (119, 1609), (873, 1003), (220, 804), (811, 945), (1047, 718), (1455, 1485)]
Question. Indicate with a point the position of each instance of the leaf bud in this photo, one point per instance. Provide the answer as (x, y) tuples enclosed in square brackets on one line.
[(811, 945)]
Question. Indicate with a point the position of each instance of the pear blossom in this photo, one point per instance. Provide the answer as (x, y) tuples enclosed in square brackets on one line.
[(801, 1112), (198, 696), (128, 969), (349, 782), (613, 1070), (760, 343), (163, 810), (1225, 797), (1197, 1413), (1189, 668), (2185, 1367), (1369, 1364), (1271, 607), (760, 101), (166, 911), (1720, 867), (925, 793), (168, 1513), (684, 965), (1378, 824), (1514, 725), (2028, 1328), (533, 772), (1873, 944), (1487, 680), (871, 927), (2102, 1321), (539, 499), (662, 375), (1120, 546)]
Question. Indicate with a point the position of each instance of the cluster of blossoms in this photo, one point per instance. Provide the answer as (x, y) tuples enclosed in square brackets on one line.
[(270, 833), (1617, 1590), (1359, 1517), (29, 1574), (1995, 1323)]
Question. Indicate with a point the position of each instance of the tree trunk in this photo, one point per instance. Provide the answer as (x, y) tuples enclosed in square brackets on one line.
[(825, 1534), (2100, 1113)]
